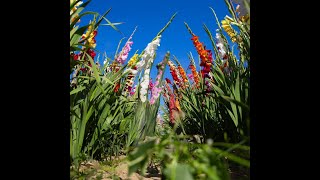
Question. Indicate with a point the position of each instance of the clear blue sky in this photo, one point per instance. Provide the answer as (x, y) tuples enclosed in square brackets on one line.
[(150, 17)]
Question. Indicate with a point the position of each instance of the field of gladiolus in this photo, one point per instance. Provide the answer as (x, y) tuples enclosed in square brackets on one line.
[(203, 132)]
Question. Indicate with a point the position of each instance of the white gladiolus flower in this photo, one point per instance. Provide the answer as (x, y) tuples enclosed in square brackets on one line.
[(149, 53), (222, 51), (147, 71), (146, 61), (143, 94), (134, 72), (105, 61), (221, 47), (145, 85)]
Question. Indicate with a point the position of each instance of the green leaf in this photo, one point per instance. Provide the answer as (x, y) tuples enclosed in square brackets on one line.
[(115, 55), (212, 41), (112, 25), (73, 31), (139, 157), (234, 119), (115, 24), (231, 9), (183, 172), (232, 157), (216, 88), (81, 15), (100, 20), (166, 26), (236, 102), (80, 88), (235, 114), (217, 20)]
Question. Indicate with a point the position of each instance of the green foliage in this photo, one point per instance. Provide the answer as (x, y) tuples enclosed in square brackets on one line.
[(213, 138), (222, 112), (181, 159), (103, 122)]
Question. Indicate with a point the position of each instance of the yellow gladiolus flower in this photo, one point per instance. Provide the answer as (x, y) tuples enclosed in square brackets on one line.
[(133, 60), (227, 27), (224, 22)]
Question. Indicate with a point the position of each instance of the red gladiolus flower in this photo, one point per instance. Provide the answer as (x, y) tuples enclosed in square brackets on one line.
[(174, 72), (116, 89), (91, 53), (171, 108), (168, 81), (76, 57), (95, 32)]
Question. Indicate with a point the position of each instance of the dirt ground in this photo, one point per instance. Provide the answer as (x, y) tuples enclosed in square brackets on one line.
[(93, 170)]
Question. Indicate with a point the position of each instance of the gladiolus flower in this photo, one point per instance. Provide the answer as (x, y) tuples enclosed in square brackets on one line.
[(155, 94), (205, 56), (178, 104), (156, 90), (76, 57), (125, 51), (222, 53), (151, 84), (190, 76), (183, 74), (91, 37), (149, 53), (227, 27), (133, 60), (194, 74), (159, 119), (168, 81), (130, 79), (145, 85), (171, 108), (175, 74), (91, 53), (116, 89), (222, 49), (132, 91), (146, 61)]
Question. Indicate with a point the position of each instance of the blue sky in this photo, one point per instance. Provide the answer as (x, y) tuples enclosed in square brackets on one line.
[(150, 17)]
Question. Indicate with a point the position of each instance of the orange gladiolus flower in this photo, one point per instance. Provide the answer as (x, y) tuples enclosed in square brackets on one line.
[(183, 74), (178, 104), (195, 74), (205, 56)]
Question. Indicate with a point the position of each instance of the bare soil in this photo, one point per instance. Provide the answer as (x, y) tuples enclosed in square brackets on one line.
[(93, 170)]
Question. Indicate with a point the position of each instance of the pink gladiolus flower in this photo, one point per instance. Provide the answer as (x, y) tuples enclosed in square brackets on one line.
[(155, 92), (151, 84), (190, 76), (125, 51), (132, 90)]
